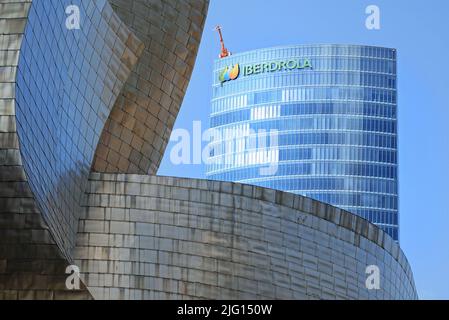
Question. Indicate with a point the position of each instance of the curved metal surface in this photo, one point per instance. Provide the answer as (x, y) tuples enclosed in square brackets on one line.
[(172, 238), (139, 126)]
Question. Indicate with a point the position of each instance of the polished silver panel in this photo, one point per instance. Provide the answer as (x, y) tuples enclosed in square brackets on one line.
[(138, 129)]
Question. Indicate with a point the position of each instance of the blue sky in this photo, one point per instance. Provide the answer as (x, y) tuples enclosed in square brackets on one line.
[(418, 30)]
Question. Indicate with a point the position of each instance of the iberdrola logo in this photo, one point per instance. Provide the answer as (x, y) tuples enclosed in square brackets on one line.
[(229, 74)]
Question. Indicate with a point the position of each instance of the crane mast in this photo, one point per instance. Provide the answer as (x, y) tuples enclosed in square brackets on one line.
[(224, 52)]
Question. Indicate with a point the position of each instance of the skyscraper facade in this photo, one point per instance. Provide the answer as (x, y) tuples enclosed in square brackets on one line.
[(329, 116)]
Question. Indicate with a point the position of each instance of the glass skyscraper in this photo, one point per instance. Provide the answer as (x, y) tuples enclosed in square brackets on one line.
[(329, 115)]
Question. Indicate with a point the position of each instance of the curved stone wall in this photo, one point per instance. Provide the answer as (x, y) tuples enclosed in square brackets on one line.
[(139, 127), (147, 237)]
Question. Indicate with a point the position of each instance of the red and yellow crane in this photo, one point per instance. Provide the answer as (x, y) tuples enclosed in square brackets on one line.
[(224, 52)]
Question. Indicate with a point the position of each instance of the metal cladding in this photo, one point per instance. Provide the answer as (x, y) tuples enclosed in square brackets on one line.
[(148, 237), (85, 116), (139, 126), (31, 263), (61, 113), (58, 89)]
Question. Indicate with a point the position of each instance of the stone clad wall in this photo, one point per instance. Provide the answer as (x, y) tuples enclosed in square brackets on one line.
[(147, 237)]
